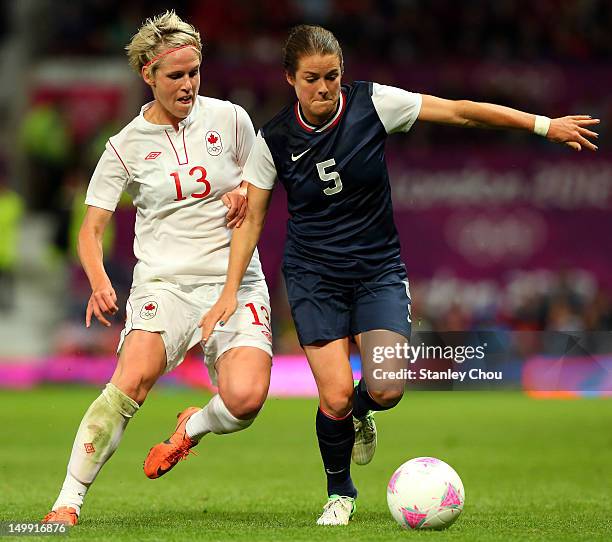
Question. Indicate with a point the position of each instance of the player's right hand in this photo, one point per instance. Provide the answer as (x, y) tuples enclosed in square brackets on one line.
[(220, 312), (103, 300), (236, 202)]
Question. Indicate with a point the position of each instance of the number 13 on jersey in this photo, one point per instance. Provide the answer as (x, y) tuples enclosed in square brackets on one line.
[(202, 179)]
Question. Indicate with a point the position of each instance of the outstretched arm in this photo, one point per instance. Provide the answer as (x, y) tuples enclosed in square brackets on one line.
[(571, 130), (244, 241)]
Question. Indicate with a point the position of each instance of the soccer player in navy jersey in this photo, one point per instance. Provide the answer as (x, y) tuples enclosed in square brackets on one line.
[(342, 262)]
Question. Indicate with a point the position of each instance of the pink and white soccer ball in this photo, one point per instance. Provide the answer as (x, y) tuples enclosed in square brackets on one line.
[(425, 493)]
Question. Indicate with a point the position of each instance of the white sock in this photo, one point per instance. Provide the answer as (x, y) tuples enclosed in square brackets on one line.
[(96, 440), (214, 418)]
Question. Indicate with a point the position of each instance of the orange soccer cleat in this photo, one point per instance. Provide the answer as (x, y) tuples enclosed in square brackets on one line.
[(64, 514), (165, 455)]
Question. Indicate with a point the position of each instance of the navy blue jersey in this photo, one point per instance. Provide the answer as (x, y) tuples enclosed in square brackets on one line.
[(339, 198)]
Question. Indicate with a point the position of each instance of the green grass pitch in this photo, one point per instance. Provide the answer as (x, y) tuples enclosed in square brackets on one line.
[(532, 469)]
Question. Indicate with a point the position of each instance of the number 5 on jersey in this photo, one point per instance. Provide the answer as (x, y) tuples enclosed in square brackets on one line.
[(202, 179), (329, 176)]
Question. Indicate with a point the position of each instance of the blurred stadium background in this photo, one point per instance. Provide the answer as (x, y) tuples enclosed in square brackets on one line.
[(500, 231)]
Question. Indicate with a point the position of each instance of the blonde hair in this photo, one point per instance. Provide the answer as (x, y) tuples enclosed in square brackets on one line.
[(165, 31)]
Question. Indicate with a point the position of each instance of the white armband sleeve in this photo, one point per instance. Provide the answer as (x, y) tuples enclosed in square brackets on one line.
[(259, 169), (108, 180), (396, 108)]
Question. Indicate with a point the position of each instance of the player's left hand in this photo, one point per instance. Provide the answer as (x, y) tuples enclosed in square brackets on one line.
[(236, 202), (573, 132), (220, 312)]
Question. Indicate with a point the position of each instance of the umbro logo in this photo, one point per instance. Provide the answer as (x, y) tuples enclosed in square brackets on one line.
[(298, 156), (152, 155)]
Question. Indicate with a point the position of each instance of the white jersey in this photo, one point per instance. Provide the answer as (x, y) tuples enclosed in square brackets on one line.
[(176, 180)]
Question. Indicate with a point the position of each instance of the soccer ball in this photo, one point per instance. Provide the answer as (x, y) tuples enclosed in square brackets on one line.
[(425, 493)]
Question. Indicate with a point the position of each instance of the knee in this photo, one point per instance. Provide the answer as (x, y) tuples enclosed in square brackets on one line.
[(386, 398), (245, 403), (135, 386), (141, 362), (338, 402)]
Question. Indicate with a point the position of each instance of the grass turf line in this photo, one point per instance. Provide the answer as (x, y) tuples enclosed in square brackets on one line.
[(533, 470)]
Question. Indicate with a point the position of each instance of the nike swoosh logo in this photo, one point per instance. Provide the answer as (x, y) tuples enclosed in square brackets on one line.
[(295, 158), (328, 471)]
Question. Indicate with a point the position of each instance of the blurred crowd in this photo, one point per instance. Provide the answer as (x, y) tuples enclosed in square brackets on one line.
[(396, 30), (439, 46), (566, 301)]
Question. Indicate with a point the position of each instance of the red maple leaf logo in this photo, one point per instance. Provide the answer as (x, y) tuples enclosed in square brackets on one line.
[(212, 139), (149, 307)]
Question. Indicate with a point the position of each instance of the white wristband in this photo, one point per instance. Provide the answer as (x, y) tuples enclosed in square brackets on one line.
[(541, 126)]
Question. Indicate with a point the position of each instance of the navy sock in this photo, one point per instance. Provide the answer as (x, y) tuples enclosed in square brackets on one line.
[(336, 439), (362, 402)]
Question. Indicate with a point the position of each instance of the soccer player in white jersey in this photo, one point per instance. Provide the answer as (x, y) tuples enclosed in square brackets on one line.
[(342, 265), (179, 160)]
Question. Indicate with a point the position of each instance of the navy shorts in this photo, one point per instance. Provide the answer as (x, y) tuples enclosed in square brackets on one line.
[(325, 309)]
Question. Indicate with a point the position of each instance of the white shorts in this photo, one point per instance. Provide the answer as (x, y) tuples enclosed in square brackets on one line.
[(174, 312)]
